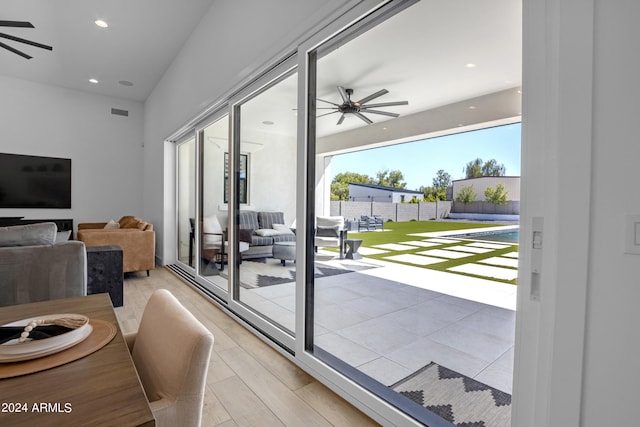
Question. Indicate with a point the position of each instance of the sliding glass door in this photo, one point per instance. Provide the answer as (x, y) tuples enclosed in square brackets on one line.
[(265, 201), (186, 200), (213, 220)]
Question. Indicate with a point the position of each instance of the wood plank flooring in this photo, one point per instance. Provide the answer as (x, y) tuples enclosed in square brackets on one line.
[(248, 383)]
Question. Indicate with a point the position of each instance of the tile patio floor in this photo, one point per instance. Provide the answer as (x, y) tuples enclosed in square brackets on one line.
[(391, 321)]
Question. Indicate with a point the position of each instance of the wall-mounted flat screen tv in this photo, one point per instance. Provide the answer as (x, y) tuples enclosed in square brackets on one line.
[(34, 182)]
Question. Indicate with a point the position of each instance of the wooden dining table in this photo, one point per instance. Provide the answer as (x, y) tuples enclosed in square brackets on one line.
[(99, 389)]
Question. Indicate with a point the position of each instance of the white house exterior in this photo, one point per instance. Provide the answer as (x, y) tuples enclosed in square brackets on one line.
[(380, 193), (480, 184)]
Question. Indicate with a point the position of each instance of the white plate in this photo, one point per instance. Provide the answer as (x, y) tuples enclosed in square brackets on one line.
[(14, 351)]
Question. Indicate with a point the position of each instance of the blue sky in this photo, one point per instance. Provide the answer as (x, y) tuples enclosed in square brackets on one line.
[(419, 161)]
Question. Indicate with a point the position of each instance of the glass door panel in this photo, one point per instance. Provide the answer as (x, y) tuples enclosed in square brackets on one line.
[(186, 189), (214, 216), (266, 202), (381, 309)]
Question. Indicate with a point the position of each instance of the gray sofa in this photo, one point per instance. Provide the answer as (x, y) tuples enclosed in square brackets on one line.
[(33, 267), (261, 230)]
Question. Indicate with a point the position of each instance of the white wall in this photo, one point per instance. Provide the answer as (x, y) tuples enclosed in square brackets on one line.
[(105, 150), (231, 42)]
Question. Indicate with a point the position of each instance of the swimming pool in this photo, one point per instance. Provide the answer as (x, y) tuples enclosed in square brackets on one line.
[(504, 236)]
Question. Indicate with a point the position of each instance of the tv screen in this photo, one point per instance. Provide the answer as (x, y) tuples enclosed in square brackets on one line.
[(34, 182)]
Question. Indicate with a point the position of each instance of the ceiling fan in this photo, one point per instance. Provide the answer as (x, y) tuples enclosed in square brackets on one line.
[(19, 24), (358, 107)]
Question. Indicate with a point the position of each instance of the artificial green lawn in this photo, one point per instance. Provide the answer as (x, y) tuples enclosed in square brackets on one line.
[(397, 232)]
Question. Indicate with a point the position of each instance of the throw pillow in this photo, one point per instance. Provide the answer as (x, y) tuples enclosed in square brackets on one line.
[(282, 229), (267, 232), (244, 235), (62, 236), (328, 231), (112, 225), (211, 225)]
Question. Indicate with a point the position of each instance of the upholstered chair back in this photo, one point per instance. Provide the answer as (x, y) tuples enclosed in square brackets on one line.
[(171, 351)]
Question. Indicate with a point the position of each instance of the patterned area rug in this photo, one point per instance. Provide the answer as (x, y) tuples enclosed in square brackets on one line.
[(257, 273), (457, 398)]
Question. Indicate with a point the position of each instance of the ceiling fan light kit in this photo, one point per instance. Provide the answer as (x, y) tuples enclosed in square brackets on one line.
[(358, 107), (19, 24)]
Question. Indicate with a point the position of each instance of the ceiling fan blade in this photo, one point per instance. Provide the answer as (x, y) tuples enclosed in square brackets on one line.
[(329, 102), (343, 94), (387, 104), (16, 24), (29, 42), (384, 113), (372, 96), (326, 114), (341, 120), (16, 51), (364, 118)]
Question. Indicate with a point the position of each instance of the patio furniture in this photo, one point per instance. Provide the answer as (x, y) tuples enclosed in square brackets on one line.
[(353, 245), (330, 232), (284, 251)]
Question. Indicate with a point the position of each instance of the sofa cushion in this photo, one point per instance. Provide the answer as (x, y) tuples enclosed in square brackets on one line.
[(43, 233), (267, 219), (284, 238), (248, 220), (133, 222), (261, 241), (324, 231), (245, 235), (267, 232)]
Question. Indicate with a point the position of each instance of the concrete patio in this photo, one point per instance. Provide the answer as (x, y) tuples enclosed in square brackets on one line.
[(391, 320)]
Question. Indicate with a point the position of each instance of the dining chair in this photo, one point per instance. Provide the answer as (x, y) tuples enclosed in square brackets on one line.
[(171, 352)]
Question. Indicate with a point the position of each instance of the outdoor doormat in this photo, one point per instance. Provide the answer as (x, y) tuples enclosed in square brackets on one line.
[(257, 273), (457, 398)]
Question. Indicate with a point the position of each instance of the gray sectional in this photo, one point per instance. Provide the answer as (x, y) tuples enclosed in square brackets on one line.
[(34, 267), (261, 230)]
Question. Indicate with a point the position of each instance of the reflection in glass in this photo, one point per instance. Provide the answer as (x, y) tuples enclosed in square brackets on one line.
[(267, 182), (214, 245), (186, 196)]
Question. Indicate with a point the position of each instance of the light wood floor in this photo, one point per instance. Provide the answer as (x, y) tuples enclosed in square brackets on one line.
[(248, 383)]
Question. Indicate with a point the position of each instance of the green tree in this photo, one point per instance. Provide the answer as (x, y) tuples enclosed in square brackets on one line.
[(497, 196), (477, 168), (493, 168), (340, 184), (388, 178), (442, 179), (431, 194), (466, 194), (473, 169)]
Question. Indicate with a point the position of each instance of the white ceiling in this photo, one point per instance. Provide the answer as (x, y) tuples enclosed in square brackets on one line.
[(419, 55), (143, 38)]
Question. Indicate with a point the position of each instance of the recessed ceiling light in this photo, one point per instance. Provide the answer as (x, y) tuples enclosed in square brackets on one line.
[(100, 23), (472, 107), (125, 83), (267, 122), (470, 65), (94, 81)]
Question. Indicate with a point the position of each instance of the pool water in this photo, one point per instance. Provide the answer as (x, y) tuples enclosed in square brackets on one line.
[(508, 236)]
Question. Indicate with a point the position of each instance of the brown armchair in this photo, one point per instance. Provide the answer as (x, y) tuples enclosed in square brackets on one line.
[(135, 236)]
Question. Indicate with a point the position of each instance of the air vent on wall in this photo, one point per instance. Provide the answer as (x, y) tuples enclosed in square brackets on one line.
[(119, 112)]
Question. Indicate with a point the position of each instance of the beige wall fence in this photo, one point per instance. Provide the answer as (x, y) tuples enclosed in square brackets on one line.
[(510, 208), (422, 211)]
